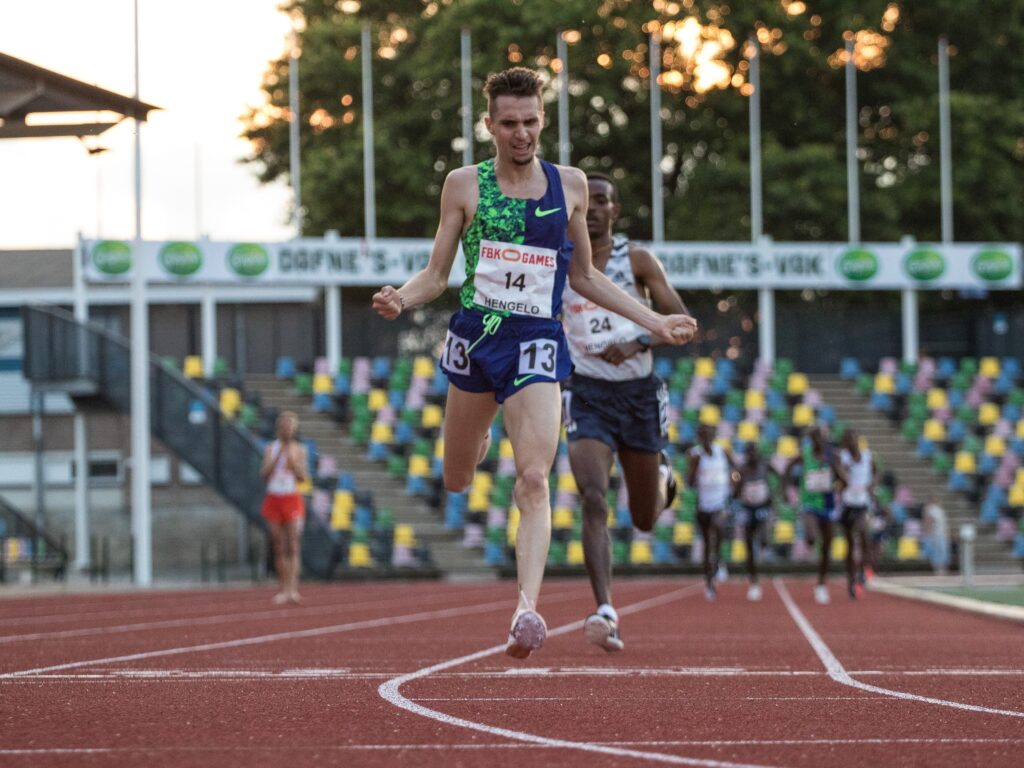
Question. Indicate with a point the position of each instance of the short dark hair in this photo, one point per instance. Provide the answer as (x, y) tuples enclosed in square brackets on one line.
[(516, 81), (598, 176)]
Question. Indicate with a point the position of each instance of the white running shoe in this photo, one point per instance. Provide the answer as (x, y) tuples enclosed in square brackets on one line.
[(709, 592), (754, 593), (821, 595), (722, 574), (603, 632), (527, 633)]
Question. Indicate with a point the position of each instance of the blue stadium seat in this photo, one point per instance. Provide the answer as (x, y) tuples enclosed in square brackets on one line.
[(285, 368), (849, 368)]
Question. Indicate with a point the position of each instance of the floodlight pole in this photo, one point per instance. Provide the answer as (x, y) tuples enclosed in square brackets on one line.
[(562, 50), (369, 172), (81, 438), (765, 296), (657, 198), (295, 166), (466, 62)]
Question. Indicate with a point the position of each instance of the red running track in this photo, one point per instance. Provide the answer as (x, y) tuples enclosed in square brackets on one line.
[(378, 673)]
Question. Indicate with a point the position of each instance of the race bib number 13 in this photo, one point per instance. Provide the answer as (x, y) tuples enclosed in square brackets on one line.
[(455, 357), (538, 357)]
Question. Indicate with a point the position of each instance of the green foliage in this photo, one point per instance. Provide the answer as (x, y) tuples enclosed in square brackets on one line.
[(418, 125)]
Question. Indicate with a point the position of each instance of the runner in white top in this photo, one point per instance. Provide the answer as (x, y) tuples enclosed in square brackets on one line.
[(613, 403), (710, 473), (858, 474), (284, 467)]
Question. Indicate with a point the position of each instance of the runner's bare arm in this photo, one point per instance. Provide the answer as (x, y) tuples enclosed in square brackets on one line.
[(592, 284), (268, 463), (429, 283)]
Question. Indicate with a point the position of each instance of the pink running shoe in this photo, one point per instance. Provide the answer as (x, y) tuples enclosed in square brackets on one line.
[(527, 633)]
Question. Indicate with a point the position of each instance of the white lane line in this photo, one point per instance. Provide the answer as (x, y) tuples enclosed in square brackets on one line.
[(313, 610), (390, 691), (508, 745), (838, 673), (410, 618)]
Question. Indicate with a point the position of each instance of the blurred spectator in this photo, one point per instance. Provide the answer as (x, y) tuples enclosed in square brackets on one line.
[(935, 537)]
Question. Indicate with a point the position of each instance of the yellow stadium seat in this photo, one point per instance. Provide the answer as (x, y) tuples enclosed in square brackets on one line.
[(838, 549), (505, 449), (965, 462), (13, 549), (988, 414), (419, 466), (1018, 478), (377, 399), (908, 548), (478, 501), (381, 433), (439, 448), (513, 526), (753, 400), (673, 432), (322, 384), (405, 536), (1015, 498), (423, 367), (783, 533), (796, 384), (1019, 431), (567, 483), (682, 534), (995, 446), (640, 552), (704, 368), (863, 443), (788, 447), (748, 432), (710, 415), (934, 430), (884, 384), (230, 401), (433, 416), (193, 367), (989, 367), (344, 501), (305, 487), (738, 551), (574, 553), (561, 518), (725, 442), (359, 555), (482, 481), (611, 518), (341, 520), (803, 415), (937, 399)]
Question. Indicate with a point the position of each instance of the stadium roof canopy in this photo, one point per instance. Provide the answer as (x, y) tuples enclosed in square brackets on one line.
[(29, 89)]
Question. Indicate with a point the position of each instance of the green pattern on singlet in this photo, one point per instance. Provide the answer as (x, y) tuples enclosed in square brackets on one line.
[(498, 218), (811, 500)]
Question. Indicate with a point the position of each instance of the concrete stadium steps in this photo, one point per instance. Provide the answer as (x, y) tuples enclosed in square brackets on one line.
[(333, 439), (899, 456)]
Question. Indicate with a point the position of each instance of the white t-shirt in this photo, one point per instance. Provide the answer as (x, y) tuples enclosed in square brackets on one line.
[(712, 478), (282, 480), (859, 478)]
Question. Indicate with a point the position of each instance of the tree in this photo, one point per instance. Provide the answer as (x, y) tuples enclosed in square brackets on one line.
[(704, 109)]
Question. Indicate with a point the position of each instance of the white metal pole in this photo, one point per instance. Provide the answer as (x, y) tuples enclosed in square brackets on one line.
[(141, 513), (332, 319), (295, 166), (81, 439), (197, 193), (657, 197), (909, 313), (466, 61), (369, 173), (852, 172), (765, 296), (208, 328), (945, 143), (562, 50)]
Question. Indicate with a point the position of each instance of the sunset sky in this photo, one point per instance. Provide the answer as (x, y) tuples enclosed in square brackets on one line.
[(202, 62)]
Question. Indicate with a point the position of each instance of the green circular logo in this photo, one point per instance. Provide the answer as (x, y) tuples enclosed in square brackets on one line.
[(181, 259), (924, 265), (858, 265), (112, 257), (992, 265), (248, 259)]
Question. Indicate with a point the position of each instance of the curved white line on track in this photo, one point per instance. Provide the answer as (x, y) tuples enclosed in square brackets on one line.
[(390, 691), (838, 672)]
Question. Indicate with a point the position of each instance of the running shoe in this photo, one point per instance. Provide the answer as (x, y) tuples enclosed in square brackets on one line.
[(754, 593), (821, 595), (710, 593), (665, 470), (602, 631), (280, 598), (722, 574), (851, 588), (527, 633)]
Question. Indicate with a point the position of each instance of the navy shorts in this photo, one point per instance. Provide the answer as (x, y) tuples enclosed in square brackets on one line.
[(490, 353), (629, 414), (753, 516)]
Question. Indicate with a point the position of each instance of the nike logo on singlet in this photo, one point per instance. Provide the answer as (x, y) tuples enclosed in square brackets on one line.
[(541, 214), (520, 379)]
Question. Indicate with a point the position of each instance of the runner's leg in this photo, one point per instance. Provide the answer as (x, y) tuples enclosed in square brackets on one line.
[(591, 462), (467, 423), (643, 483)]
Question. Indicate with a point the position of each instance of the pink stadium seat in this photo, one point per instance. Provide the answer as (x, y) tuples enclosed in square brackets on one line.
[(888, 365), (903, 495), (320, 366), (813, 398)]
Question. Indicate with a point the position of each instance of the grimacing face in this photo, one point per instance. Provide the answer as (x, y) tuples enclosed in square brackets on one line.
[(515, 123)]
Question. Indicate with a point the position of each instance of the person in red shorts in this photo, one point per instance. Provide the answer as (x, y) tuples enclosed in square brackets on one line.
[(285, 465)]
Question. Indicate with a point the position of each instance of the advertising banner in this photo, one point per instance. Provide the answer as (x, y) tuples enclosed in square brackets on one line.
[(356, 262)]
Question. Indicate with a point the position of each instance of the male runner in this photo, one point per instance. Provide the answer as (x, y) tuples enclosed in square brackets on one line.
[(755, 497), (859, 476), (710, 472), (614, 402), (522, 223)]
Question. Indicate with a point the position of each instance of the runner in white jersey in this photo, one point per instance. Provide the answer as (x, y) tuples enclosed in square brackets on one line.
[(859, 477), (284, 467), (614, 404), (710, 472)]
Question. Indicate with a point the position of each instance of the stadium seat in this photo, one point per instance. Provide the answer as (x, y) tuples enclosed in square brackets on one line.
[(704, 368), (640, 552), (796, 384), (788, 447), (937, 399), (849, 368), (803, 415), (908, 548), (884, 384), (710, 415), (193, 367)]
